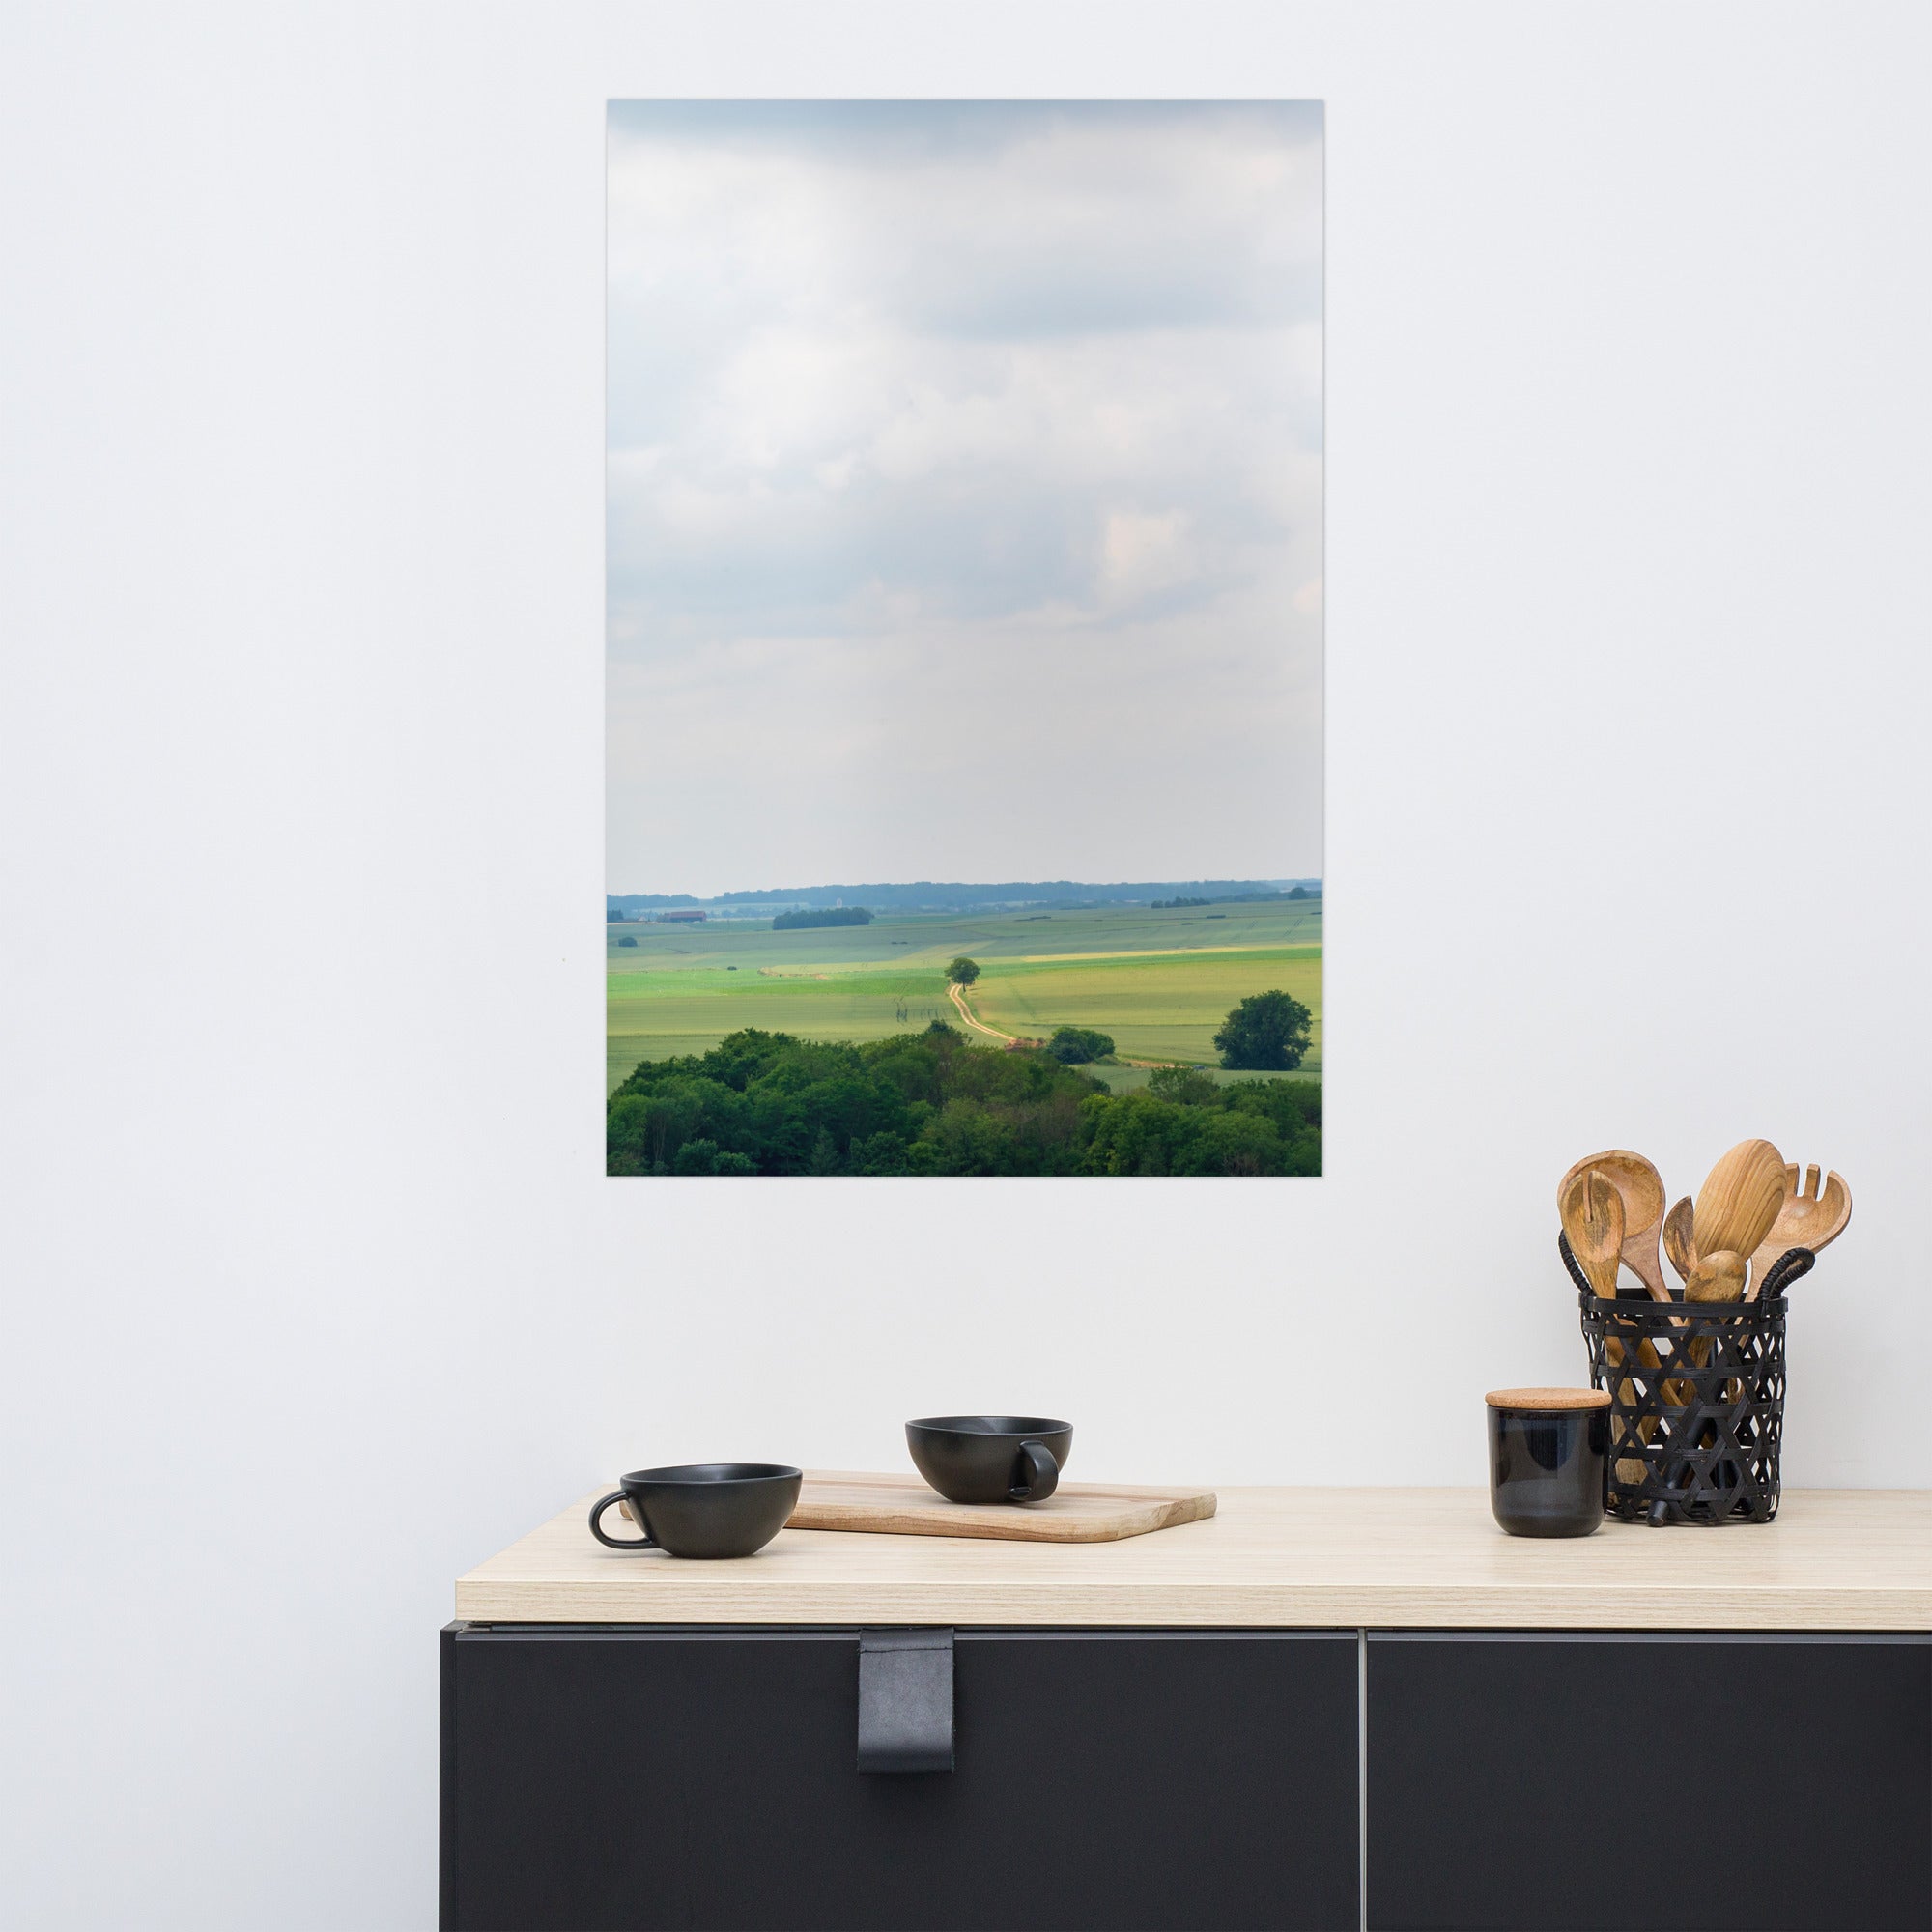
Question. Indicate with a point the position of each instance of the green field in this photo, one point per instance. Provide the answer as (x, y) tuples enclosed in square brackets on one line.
[(1160, 982)]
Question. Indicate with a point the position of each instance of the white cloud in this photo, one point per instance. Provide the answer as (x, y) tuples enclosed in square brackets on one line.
[(1142, 555), (963, 438)]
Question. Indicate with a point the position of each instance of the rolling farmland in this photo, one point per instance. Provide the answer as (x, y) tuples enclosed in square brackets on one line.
[(1160, 982)]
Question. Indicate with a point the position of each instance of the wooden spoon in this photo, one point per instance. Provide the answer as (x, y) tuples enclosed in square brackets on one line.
[(1592, 1218), (1739, 1200), (1807, 1217), (1680, 1244), (1717, 1278), (1680, 1239), (1641, 1187)]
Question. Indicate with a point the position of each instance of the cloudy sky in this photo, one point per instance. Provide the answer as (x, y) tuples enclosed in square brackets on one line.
[(965, 493)]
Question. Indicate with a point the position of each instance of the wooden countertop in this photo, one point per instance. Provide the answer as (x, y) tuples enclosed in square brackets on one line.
[(1835, 1560)]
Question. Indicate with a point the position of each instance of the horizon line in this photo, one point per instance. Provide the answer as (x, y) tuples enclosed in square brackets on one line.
[(949, 885)]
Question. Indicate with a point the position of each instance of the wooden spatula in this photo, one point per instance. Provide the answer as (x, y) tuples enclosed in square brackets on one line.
[(1641, 1189)]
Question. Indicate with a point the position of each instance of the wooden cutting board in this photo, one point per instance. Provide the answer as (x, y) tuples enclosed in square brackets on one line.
[(1075, 1513)]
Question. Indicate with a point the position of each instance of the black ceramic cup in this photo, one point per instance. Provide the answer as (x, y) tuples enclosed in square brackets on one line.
[(702, 1509), (1549, 1458), (991, 1458)]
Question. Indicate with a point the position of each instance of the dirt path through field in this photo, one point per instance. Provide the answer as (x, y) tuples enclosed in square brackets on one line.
[(959, 993)]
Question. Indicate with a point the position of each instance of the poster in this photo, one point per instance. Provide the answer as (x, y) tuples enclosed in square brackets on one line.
[(964, 702)]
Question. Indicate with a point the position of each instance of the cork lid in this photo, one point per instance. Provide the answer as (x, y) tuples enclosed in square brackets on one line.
[(1548, 1400)]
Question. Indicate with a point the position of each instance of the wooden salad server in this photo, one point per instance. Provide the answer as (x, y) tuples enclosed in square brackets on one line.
[(1642, 1188), (1739, 1200), (1592, 1211), (1809, 1216)]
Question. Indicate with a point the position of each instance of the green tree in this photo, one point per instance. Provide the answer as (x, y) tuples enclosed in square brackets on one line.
[(791, 921), (1290, 1104), (1234, 1144), (699, 1156), (879, 1154), (1133, 1134), (1268, 1033), (1075, 1046), (962, 971), (1184, 1086)]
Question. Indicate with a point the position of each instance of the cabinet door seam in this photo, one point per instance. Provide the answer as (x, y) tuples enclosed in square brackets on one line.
[(1362, 1777)]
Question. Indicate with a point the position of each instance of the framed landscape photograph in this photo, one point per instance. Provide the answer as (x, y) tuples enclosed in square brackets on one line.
[(964, 716)]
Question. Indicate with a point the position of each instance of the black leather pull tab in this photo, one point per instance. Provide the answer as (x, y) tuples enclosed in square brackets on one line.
[(905, 1700)]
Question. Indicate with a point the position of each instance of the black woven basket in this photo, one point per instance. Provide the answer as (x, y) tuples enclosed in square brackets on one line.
[(1697, 1401)]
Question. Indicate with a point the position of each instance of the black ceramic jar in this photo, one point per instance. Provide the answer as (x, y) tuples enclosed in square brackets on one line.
[(1549, 1458)]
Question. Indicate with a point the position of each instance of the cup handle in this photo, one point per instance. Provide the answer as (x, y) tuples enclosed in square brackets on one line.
[(1041, 1475), (597, 1510)]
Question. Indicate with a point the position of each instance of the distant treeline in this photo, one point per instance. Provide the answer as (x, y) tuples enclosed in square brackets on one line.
[(1240, 898), (931, 1104), (934, 895), (790, 922)]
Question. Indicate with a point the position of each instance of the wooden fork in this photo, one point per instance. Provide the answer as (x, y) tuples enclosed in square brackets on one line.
[(1809, 1218)]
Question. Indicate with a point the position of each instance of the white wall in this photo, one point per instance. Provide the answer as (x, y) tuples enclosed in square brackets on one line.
[(314, 1293)]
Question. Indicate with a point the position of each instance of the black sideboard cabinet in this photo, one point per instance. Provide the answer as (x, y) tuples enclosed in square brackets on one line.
[(601, 1778), (1561, 1782), (604, 1778)]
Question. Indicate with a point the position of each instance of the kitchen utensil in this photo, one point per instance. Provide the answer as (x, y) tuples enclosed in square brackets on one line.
[(1629, 1470), (1641, 1187), (991, 1458), (1807, 1217), (1592, 1218), (1546, 1451), (702, 1509), (1738, 1200), (1593, 1230), (901, 1505), (1680, 1240), (1717, 1278)]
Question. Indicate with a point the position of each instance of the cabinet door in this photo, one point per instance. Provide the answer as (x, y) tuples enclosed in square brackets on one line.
[(1571, 1782), (603, 1778)]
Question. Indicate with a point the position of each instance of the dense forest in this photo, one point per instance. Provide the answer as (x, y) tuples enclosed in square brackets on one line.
[(791, 921), (929, 1103)]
